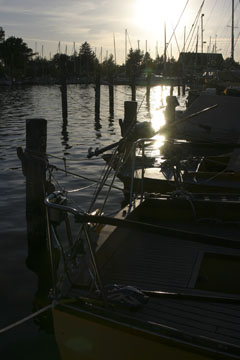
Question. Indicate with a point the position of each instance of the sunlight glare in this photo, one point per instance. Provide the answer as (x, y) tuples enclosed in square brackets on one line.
[(151, 14), (159, 141), (158, 119), (158, 101)]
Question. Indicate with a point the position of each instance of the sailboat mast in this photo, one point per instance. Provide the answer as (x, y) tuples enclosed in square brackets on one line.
[(165, 47), (114, 44), (125, 46), (232, 47)]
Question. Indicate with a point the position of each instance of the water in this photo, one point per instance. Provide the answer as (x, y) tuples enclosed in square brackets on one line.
[(71, 141)]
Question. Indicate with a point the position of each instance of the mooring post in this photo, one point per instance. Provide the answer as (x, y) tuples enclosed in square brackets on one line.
[(34, 168), (111, 99), (183, 88), (63, 88), (130, 117), (97, 95), (178, 86), (133, 88), (148, 90)]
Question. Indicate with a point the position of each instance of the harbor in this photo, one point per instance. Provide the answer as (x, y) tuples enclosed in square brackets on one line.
[(70, 142), (119, 179)]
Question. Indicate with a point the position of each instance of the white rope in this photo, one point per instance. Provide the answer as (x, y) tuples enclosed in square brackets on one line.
[(29, 317)]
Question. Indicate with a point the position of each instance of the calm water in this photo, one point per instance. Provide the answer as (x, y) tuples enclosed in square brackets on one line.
[(71, 140)]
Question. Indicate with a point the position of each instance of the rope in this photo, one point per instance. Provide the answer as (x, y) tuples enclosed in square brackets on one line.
[(105, 175), (80, 189), (214, 176), (29, 317), (81, 176), (67, 159), (187, 196)]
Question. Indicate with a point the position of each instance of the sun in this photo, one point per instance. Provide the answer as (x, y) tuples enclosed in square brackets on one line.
[(150, 15)]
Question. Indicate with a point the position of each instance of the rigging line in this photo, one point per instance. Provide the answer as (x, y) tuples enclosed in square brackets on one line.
[(29, 317), (194, 43), (211, 12), (103, 178), (229, 19), (65, 191), (80, 176), (80, 189), (197, 18), (178, 23), (113, 179), (236, 40), (176, 41), (194, 25), (101, 184), (141, 102)]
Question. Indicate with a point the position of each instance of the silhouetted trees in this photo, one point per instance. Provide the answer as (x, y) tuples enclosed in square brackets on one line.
[(134, 63), (17, 61), (87, 59), (15, 54), (2, 35), (109, 68)]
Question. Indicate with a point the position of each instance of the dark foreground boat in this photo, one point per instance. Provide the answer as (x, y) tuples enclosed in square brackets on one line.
[(160, 280), (182, 165)]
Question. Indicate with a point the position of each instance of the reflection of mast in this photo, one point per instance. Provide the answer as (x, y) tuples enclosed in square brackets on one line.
[(74, 57), (232, 45)]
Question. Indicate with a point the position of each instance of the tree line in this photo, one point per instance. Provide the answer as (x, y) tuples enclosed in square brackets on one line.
[(19, 62)]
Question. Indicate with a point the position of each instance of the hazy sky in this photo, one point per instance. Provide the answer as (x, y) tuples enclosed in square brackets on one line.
[(42, 24)]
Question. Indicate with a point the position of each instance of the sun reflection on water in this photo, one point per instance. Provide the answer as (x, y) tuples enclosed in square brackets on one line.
[(158, 96)]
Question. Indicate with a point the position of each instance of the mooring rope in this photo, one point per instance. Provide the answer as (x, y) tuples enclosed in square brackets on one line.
[(29, 317), (82, 177), (70, 160)]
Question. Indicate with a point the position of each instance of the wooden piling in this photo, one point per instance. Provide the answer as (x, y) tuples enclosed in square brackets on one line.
[(97, 95), (130, 117), (133, 88), (183, 88), (111, 100), (178, 86), (171, 90), (64, 99), (63, 88), (34, 168)]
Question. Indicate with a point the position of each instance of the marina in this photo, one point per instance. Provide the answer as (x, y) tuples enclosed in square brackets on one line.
[(70, 142), (119, 180), (180, 249)]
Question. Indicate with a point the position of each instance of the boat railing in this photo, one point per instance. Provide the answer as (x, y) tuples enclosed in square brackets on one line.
[(140, 143), (57, 212), (173, 165)]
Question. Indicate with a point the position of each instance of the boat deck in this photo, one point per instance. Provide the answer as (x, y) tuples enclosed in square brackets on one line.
[(158, 262)]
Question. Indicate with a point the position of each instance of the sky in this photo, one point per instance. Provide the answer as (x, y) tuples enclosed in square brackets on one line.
[(48, 26)]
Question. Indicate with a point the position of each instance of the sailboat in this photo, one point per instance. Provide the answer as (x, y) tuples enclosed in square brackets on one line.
[(159, 279)]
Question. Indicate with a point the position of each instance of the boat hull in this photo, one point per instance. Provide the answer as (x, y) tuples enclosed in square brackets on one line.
[(88, 337)]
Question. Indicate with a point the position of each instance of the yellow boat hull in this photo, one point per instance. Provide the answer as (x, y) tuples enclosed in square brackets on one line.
[(88, 338)]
